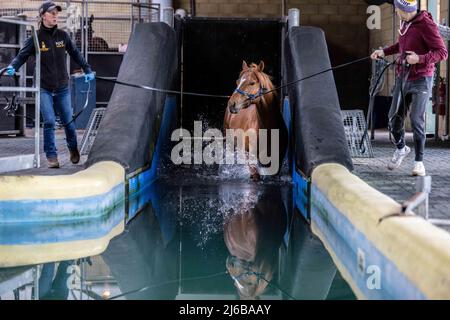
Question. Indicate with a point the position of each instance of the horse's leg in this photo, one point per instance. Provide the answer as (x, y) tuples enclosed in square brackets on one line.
[(254, 174), (253, 161)]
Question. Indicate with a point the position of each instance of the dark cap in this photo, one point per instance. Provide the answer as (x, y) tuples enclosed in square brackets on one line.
[(48, 6)]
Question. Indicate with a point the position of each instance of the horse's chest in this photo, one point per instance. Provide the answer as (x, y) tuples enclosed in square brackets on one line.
[(246, 119)]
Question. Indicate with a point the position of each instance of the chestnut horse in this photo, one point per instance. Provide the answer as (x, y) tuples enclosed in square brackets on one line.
[(253, 236), (249, 108)]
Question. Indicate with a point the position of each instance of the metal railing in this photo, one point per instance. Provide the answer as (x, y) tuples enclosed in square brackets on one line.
[(419, 202), (95, 25), (355, 127), (107, 25), (27, 161), (91, 130)]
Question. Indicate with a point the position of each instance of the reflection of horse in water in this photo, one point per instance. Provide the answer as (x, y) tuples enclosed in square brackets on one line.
[(94, 43), (253, 238), (250, 109)]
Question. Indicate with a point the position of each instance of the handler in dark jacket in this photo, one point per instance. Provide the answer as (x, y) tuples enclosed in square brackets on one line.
[(55, 94)]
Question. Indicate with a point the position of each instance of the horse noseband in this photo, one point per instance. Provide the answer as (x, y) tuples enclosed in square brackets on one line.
[(252, 96)]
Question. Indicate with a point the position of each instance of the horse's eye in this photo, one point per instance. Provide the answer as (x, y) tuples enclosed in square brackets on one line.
[(252, 83)]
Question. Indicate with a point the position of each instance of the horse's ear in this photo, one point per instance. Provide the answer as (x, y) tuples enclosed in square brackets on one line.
[(261, 66), (244, 65)]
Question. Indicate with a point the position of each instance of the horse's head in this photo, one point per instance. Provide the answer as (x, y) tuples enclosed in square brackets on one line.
[(252, 83), (250, 279)]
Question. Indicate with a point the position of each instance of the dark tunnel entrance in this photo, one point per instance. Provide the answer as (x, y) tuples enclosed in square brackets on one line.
[(213, 50)]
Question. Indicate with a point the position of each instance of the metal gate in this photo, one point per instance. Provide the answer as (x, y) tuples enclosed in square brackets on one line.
[(99, 28), (25, 161)]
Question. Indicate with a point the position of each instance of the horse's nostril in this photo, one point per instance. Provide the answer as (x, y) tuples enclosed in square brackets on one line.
[(232, 107)]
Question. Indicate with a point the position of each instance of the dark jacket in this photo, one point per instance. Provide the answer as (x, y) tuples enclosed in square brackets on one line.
[(53, 44), (422, 36)]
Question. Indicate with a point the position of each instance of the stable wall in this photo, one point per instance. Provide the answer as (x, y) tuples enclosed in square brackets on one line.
[(344, 23)]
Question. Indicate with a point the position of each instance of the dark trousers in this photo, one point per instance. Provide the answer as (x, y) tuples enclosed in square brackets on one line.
[(417, 94)]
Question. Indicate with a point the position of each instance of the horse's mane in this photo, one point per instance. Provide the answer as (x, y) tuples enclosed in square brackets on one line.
[(264, 79)]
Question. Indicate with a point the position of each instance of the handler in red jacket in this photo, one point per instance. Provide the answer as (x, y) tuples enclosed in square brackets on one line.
[(421, 46)]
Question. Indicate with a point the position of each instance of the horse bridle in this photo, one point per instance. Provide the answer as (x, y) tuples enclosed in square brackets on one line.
[(252, 96), (247, 266)]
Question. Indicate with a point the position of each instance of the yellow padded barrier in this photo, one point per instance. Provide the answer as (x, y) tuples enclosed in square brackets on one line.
[(97, 179), (420, 250), (22, 255)]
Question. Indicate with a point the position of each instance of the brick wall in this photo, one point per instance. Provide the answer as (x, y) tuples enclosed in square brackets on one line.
[(343, 20), (344, 23), (387, 35)]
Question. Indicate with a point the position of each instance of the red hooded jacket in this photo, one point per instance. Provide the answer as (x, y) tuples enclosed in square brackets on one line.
[(422, 36)]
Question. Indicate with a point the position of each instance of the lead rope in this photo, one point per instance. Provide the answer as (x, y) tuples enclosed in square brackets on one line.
[(371, 105), (401, 100), (270, 283), (262, 93), (86, 102)]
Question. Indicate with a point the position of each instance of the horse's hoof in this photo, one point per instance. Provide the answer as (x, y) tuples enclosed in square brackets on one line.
[(254, 174)]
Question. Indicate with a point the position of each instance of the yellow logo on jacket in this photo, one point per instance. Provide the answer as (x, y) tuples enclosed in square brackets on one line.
[(43, 47)]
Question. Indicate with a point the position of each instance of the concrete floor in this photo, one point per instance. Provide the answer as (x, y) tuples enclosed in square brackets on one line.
[(399, 184), (10, 146)]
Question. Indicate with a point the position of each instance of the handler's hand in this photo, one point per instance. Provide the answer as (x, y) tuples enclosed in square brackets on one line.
[(10, 71), (89, 77), (412, 57), (377, 54)]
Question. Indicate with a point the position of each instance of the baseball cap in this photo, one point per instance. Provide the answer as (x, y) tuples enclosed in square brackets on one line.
[(48, 6)]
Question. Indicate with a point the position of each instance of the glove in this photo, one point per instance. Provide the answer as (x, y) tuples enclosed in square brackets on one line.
[(10, 71), (89, 77), (377, 54)]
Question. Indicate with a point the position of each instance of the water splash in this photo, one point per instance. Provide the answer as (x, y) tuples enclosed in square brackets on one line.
[(209, 214)]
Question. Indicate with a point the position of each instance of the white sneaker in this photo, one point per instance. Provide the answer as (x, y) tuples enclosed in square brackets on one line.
[(419, 169), (398, 157)]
